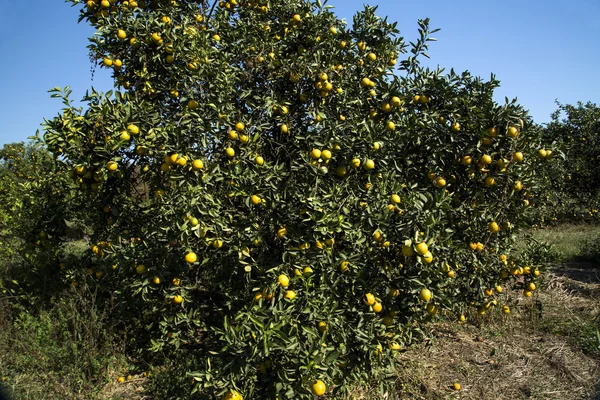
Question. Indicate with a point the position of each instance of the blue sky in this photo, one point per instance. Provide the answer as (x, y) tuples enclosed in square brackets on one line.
[(540, 51)]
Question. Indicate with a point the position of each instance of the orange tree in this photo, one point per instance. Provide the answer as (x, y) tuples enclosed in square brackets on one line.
[(36, 208), (574, 176), (12, 176), (275, 191)]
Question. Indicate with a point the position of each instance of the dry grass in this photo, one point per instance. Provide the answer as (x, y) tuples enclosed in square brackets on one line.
[(131, 389), (66, 352), (540, 351)]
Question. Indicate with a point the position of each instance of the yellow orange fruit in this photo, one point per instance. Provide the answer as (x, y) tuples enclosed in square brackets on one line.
[(318, 388), (197, 165), (428, 257), (256, 200), (512, 132), (422, 248), (493, 227), (191, 257), (232, 395), (283, 280), (518, 186), (322, 326), (281, 232), (518, 156), (112, 166), (344, 266), (425, 294), (290, 294)]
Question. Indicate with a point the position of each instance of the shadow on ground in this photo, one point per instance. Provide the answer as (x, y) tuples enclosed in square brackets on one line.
[(584, 277)]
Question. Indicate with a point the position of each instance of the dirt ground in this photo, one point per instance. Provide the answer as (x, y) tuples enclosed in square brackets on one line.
[(547, 348)]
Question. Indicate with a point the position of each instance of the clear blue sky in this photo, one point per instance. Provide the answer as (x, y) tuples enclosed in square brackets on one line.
[(540, 50)]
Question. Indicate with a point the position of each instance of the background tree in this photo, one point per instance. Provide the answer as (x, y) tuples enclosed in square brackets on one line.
[(37, 208), (575, 176)]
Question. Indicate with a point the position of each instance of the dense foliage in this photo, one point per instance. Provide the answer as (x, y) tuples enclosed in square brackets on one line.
[(38, 210), (574, 176), (276, 192)]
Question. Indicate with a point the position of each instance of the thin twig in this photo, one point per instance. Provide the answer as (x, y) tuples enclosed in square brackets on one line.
[(211, 10)]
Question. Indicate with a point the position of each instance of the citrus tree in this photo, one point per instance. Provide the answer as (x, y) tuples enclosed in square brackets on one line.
[(575, 176), (35, 209), (277, 192), (11, 176)]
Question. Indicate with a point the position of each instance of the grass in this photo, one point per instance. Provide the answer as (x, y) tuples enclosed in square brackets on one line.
[(573, 241), (65, 352)]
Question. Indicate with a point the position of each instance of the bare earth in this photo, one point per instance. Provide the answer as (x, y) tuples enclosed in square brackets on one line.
[(535, 353)]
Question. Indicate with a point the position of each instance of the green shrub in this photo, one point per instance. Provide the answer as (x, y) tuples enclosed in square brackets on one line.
[(69, 350)]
